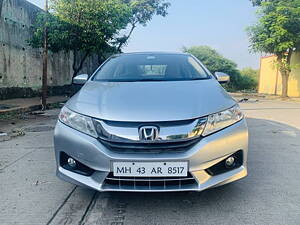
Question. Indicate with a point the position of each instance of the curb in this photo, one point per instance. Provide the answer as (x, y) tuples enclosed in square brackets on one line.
[(21, 110), (264, 97)]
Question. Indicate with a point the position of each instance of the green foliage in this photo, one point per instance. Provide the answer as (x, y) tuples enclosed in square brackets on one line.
[(59, 33), (92, 26), (278, 29), (248, 71), (142, 13), (250, 78), (144, 10), (278, 32), (259, 2), (215, 62), (92, 23)]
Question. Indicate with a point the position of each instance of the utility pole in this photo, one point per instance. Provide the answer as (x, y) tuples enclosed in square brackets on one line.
[(45, 62)]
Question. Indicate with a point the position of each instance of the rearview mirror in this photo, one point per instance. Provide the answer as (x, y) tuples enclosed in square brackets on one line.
[(80, 79), (223, 78)]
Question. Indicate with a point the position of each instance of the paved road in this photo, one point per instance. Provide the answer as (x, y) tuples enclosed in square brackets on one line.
[(31, 194)]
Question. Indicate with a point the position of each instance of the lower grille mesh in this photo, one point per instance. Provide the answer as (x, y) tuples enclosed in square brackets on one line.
[(146, 183)]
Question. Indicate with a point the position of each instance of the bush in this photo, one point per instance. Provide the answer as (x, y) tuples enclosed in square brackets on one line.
[(249, 79), (215, 62)]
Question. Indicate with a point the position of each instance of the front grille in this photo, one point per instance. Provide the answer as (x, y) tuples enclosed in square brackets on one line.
[(145, 183), (155, 147), (129, 137)]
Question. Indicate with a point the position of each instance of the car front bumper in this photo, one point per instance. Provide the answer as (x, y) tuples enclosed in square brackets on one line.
[(207, 152)]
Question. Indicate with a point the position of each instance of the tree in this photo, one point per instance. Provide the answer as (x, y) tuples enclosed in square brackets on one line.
[(278, 32), (88, 27), (84, 27), (258, 2), (142, 12), (215, 62)]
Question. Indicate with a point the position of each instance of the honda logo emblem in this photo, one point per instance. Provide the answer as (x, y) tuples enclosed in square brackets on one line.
[(148, 133)]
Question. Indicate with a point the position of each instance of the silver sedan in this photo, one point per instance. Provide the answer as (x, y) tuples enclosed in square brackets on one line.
[(151, 122)]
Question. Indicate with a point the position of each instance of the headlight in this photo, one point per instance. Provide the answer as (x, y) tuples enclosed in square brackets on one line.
[(77, 121), (222, 119)]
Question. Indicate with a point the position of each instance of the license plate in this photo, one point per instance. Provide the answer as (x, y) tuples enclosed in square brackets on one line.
[(150, 169)]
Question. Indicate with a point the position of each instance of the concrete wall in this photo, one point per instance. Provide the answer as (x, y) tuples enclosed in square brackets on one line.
[(270, 77), (21, 65)]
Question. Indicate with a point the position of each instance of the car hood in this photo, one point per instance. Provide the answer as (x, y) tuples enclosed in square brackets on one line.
[(150, 101)]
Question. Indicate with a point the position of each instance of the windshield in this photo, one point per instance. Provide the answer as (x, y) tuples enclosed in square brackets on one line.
[(151, 67)]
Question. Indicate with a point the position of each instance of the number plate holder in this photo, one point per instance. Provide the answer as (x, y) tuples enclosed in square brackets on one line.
[(150, 169)]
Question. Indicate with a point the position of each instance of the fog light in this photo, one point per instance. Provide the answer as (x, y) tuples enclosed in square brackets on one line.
[(230, 161), (71, 162)]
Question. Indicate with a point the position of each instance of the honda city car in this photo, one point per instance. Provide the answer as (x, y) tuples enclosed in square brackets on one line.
[(151, 122)]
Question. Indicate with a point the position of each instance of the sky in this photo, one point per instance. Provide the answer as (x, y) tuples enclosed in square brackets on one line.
[(219, 24)]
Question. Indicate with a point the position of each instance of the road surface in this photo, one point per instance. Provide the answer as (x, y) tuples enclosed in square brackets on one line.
[(31, 194)]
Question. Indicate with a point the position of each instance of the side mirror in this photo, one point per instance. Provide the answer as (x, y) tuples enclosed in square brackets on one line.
[(223, 78), (80, 79)]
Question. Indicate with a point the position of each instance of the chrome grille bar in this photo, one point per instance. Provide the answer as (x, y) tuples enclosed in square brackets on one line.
[(128, 132)]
